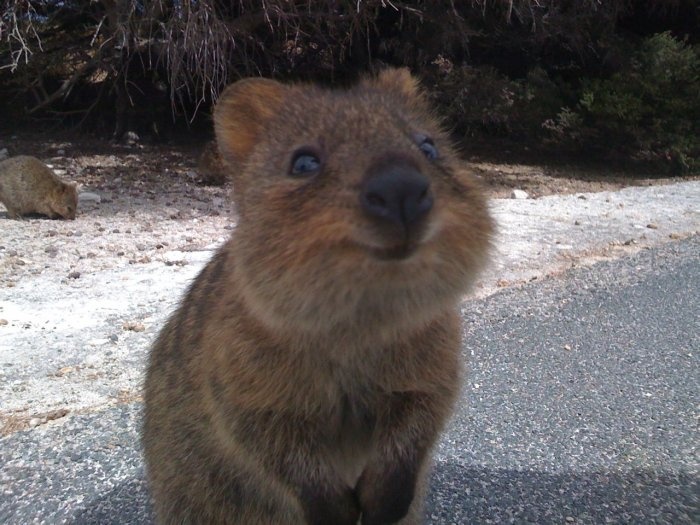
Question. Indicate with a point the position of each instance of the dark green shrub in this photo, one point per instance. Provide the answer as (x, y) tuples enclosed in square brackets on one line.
[(483, 101), (650, 108)]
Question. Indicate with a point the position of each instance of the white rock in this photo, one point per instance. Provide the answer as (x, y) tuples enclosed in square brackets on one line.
[(4, 153), (89, 198), (519, 194), (93, 360), (174, 256)]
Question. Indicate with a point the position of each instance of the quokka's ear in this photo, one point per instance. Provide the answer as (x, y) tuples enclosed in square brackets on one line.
[(68, 188), (242, 114), (398, 81)]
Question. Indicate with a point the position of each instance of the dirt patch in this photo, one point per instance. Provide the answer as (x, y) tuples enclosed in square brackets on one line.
[(539, 180)]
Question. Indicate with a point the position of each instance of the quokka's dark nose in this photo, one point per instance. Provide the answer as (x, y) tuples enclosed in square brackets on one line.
[(397, 193)]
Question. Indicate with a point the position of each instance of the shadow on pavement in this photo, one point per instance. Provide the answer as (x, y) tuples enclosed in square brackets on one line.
[(467, 494), (127, 503)]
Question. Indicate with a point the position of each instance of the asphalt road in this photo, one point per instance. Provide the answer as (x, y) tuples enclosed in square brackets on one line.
[(580, 406)]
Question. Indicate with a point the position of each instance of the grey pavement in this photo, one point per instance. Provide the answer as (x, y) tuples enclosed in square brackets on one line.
[(580, 405)]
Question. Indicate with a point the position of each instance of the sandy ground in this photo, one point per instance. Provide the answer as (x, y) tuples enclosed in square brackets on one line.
[(81, 301)]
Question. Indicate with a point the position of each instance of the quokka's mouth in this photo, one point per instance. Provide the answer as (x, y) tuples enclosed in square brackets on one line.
[(394, 253)]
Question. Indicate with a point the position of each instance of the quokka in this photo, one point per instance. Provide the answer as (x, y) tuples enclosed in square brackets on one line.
[(313, 363)]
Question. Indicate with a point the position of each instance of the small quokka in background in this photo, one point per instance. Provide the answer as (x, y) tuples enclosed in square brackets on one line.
[(27, 185), (311, 366), (210, 166)]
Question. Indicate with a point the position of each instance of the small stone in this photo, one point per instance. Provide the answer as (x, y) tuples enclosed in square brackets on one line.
[(519, 195), (567, 347), (64, 370), (51, 250), (56, 414), (141, 247), (74, 275), (4, 153), (60, 152), (34, 422), (652, 226), (114, 338), (3, 322), (131, 138), (675, 236), (133, 326)]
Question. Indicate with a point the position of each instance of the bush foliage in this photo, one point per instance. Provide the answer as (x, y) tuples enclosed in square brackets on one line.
[(650, 107), (618, 77)]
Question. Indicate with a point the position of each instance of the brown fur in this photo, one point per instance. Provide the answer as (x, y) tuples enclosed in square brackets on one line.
[(27, 185), (306, 375), (211, 167)]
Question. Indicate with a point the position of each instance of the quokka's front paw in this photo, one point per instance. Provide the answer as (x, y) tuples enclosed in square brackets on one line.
[(385, 493)]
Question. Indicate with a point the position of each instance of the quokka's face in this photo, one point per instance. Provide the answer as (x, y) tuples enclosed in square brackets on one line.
[(356, 190), (66, 202)]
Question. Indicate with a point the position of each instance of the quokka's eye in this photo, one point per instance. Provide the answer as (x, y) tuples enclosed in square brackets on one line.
[(305, 163), (427, 146)]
